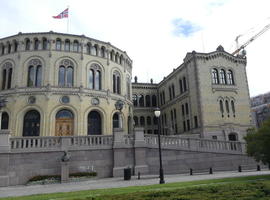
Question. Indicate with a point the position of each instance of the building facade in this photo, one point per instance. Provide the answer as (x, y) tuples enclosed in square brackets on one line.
[(207, 96), (62, 85), (260, 106)]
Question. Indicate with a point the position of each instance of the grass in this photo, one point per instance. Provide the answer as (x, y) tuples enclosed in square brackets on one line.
[(241, 188)]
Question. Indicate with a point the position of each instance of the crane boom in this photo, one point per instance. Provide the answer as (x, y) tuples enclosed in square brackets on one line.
[(267, 27)]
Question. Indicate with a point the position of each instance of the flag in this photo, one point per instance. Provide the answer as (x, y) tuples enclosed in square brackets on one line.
[(63, 14)]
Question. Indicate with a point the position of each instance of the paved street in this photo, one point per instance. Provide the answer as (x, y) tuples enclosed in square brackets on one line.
[(114, 183)]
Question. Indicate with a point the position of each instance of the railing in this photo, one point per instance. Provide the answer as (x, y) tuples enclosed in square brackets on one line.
[(129, 139), (195, 144), (60, 143)]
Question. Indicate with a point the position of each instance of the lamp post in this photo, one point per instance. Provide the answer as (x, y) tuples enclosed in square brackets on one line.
[(161, 175)]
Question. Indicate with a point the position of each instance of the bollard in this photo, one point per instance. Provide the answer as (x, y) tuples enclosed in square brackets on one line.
[(139, 175), (210, 170), (190, 171), (239, 168), (258, 168)]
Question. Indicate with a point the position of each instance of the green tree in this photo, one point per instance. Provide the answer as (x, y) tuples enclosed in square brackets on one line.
[(258, 143)]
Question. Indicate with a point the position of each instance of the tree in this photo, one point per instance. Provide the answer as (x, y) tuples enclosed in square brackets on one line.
[(258, 143)]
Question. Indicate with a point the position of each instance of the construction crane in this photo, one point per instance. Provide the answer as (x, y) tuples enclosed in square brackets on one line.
[(265, 28)]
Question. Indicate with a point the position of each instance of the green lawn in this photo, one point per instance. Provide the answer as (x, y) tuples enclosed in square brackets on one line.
[(243, 188)]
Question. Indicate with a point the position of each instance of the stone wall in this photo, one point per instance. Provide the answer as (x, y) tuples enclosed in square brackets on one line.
[(24, 157)]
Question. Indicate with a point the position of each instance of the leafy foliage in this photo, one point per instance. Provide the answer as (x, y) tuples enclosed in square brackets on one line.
[(258, 143)]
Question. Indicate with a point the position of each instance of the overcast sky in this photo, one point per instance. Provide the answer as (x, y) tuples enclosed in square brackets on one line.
[(156, 34)]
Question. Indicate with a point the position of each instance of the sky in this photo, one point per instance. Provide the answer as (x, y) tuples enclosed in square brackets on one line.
[(156, 34)]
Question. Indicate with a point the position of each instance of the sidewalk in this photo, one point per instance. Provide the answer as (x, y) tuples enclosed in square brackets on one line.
[(23, 190)]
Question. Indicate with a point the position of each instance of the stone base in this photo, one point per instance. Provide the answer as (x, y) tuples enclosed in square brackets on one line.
[(4, 181), (64, 172), (118, 171), (143, 169)]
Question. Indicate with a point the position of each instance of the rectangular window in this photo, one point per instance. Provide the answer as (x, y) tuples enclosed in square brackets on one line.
[(183, 110), (172, 121), (195, 122), (164, 97), (187, 111), (188, 125), (184, 126), (176, 130), (214, 137), (170, 93), (181, 86)]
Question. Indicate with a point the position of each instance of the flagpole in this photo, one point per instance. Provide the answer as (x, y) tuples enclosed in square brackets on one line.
[(68, 20)]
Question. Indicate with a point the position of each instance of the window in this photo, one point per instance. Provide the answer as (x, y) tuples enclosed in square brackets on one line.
[(27, 44), (148, 101), (155, 120), (181, 86), (185, 84), (135, 100), (15, 46), (44, 43), (65, 73), (94, 80), (88, 48), (227, 107), (75, 46), (149, 122), (3, 49), (215, 76), (223, 77), (230, 77), (233, 108), (94, 123), (9, 48), (135, 118), (31, 123), (128, 87), (5, 121), (142, 121), (141, 100), (221, 107), (173, 92), (184, 126), (195, 122), (58, 44), (187, 110), (183, 109), (36, 44), (116, 82), (117, 58), (94, 50), (112, 55), (34, 73), (67, 45), (154, 100), (170, 92), (7, 76), (103, 52), (121, 60), (188, 125)]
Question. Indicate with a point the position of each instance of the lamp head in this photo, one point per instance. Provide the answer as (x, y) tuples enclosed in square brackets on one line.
[(157, 112)]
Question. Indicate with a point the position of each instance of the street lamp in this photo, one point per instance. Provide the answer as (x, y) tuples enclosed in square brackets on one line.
[(161, 175)]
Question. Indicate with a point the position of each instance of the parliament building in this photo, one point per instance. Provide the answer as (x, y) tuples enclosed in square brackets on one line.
[(55, 84)]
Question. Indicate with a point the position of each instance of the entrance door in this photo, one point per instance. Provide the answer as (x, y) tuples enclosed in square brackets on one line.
[(94, 123), (31, 123), (64, 125)]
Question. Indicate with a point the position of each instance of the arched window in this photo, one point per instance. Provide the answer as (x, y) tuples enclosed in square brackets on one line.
[(94, 50), (149, 121), (112, 55), (233, 107), (34, 73), (223, 77), (142, 121), (7, 76), (154, 101), (227, 107), (27, 44), (66, 73), (94, 123), (141, 100), (184, 84), (31, 123), (9, 47), (75, 46), (117, 58), (103, 52), (215, 79), (58, 44), (94, 77), (88, 48), (221, 107), (64, 123), (230, 77), (135, 118), (67, 45), (36, 44), (15, 46), (5, 120), (148, 101), (121, 60), (44, 43), (116, 82), (3, 49), (117, 120), (135, 100)]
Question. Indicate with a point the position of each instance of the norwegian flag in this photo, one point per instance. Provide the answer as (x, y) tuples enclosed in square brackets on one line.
[(63, 14)]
